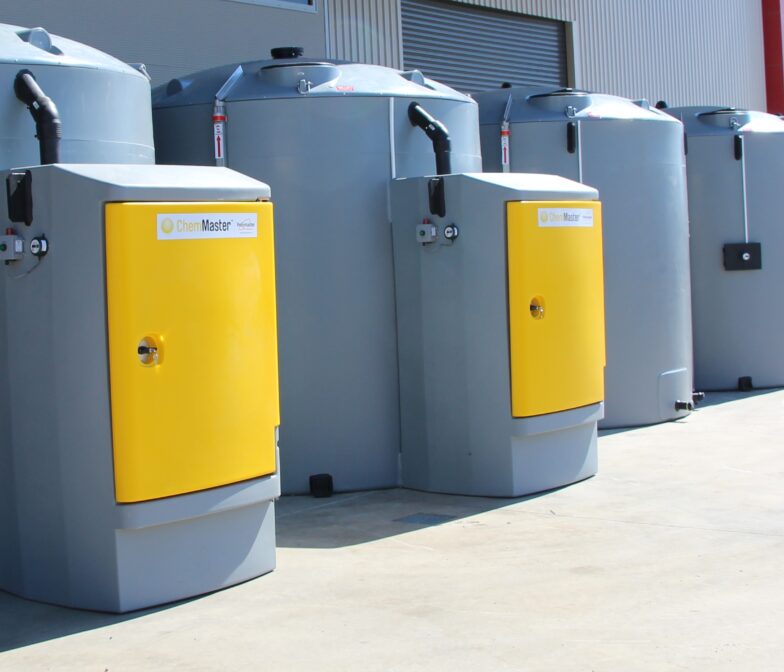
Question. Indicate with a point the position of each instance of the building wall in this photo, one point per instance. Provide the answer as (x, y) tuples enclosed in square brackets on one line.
[(683, 51), (173, 37), (686, 52)]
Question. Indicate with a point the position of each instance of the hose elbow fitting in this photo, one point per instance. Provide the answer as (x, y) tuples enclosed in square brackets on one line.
[(438, 134), (48, 128)]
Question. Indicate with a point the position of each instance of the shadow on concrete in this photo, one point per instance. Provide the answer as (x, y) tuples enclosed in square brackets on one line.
[(360, 517), (633, 428), (24, 622), (302, 522), (711, 399), (729, 396), (619, 430)]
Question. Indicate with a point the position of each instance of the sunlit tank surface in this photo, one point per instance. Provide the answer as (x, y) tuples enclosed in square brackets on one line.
[(735, 175), (104, 104), (633, 154)]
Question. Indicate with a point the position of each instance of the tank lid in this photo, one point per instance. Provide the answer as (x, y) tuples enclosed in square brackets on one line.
[(557, 104), (36, 46), (298, 77), (717, 120)]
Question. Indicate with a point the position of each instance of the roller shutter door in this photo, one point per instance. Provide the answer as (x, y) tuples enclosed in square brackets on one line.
[(473, 49)]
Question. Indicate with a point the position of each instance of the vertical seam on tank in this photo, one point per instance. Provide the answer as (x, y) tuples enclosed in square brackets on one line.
[(393, 175), (399, 466), (745, 198), (579, 153), (393, 166)]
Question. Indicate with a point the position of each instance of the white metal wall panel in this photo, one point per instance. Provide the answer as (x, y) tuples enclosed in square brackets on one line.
[(687, 52), (365, 30), (474, 49)]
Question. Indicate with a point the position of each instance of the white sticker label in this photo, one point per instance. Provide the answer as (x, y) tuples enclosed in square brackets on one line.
[(218, 135), (179, 225), (566, 217)]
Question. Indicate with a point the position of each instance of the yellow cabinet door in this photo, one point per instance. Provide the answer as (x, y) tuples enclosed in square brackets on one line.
[(192, 345), (556, 306)]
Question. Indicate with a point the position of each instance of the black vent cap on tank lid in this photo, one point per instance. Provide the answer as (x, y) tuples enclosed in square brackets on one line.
[(286, 52)]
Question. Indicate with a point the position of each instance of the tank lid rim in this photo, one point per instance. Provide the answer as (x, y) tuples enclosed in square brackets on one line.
[(561, 92), (723, 110)]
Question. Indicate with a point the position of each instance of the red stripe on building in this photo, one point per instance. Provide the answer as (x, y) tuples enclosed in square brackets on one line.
[(772, 30)]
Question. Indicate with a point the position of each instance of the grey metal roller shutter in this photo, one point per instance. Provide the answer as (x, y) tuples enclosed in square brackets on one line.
[(473, 49)]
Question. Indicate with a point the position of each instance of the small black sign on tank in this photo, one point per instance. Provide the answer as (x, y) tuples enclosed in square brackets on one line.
[(742, 257)]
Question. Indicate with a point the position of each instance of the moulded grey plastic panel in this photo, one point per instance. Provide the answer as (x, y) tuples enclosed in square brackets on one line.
[(65, 540), (328, 155), (458, 433)]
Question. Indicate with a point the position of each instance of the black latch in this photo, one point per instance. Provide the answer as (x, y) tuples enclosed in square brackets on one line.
[(738, 146), (19, 188), (435, 192), (742, 257), (571, 137)]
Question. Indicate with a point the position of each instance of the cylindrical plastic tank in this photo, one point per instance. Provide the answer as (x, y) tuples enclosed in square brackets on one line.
[(735, 170), (327, 137), (103, 104), (633, 155)]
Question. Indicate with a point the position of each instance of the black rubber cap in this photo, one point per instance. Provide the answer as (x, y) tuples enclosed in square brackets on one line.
[(745, 384), (286, 52), (173, 87), (321, 485)]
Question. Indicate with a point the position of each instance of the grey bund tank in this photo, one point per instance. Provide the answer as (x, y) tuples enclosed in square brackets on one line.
[(327, 137), (103, 104), (634, 156), (735, 177)]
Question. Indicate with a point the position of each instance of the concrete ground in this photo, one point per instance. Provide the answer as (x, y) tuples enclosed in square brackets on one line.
[(672, 558)]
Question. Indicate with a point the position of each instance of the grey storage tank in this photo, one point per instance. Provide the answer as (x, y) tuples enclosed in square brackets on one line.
[(103, 104), (633, 155), (328, 137), (735, 176)]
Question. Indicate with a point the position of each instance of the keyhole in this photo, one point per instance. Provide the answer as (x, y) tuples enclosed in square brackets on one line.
[(537, 308), (149, 351)]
